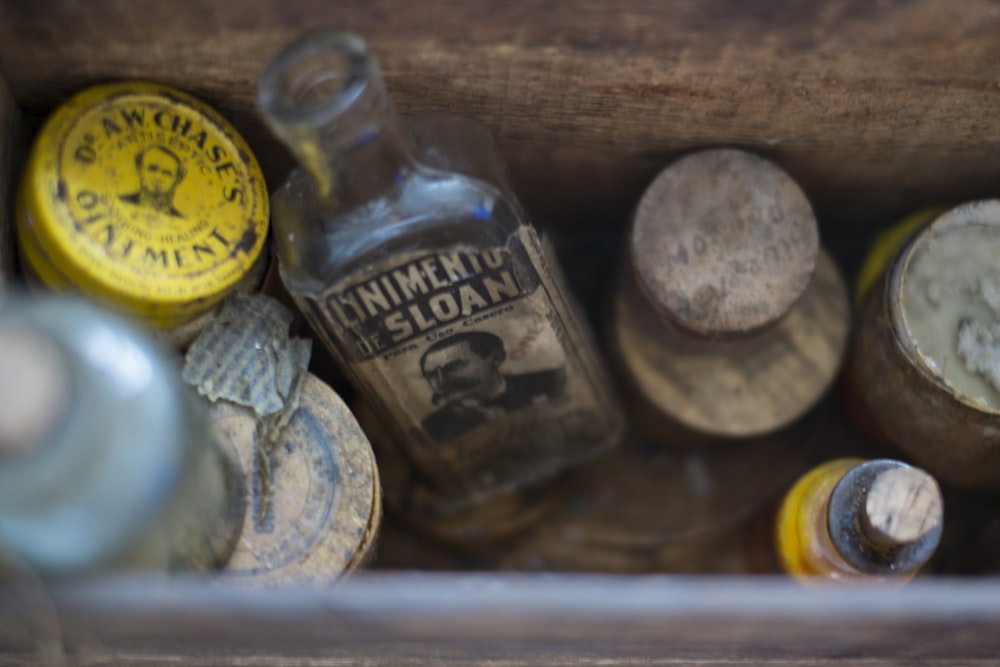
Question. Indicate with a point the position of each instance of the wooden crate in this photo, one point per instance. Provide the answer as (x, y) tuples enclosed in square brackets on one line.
[(876, 108)]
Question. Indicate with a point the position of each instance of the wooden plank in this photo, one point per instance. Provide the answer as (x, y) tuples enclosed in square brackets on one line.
[(550, 620), (11, 149), (874, 107)]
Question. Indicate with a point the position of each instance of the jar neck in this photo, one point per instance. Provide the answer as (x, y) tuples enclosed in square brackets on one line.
[(324, 97)]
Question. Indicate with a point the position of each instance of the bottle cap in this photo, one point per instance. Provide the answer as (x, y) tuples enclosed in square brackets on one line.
[(723, 243), (35, 390), (144, 198)]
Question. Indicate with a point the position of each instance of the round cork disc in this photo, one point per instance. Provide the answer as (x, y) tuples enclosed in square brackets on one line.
[(881, 500), (723, 242), (417, 506), (315, 521), (902, 506), (739, 387)]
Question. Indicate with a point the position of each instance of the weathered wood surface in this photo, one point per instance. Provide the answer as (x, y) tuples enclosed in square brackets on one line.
[(422, 619), (874, 107), (11, 149)]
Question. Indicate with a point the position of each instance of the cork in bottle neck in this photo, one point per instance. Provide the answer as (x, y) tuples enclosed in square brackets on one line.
[(886, 517), (35, 391), (723, 243)]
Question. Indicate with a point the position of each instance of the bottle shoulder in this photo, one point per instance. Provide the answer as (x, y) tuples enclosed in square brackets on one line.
[(425, 210)]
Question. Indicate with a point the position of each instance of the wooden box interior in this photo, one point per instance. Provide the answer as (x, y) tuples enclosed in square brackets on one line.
[(876, 108)]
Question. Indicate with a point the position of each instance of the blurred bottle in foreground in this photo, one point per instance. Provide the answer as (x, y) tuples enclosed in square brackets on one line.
[(106, 460)]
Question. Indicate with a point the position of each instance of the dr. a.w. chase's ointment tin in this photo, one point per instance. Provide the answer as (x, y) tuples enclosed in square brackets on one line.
[(143, 198)]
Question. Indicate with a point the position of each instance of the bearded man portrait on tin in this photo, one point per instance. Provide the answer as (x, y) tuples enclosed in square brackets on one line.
[(464, 373), (160, 172)]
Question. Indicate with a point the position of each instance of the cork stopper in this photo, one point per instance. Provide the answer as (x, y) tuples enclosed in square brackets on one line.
[(886, 517), (34, 390), (723, 243), (902, 507)]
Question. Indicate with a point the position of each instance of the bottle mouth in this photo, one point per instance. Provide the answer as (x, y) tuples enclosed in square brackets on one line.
[(315, 78)]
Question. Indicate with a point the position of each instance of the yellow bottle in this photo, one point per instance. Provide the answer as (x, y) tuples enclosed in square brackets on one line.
[(851, 520)]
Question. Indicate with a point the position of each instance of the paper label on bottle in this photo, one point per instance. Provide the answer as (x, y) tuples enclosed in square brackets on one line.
[(475, 362)]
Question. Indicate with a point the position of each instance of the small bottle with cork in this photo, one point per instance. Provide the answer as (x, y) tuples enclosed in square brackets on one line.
[(852, 520)]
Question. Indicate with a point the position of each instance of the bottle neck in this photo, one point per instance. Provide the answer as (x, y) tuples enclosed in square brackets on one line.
[(346, 175), (324, 98)]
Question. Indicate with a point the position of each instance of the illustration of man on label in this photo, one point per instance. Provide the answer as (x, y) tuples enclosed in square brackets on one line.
[(160, 172), (464, 373)]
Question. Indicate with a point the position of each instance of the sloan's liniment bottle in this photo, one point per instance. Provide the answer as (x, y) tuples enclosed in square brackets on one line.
[(429, 286)]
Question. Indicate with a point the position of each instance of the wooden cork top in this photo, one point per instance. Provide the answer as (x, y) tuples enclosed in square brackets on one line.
[(35, 390), (902, 506), (315, 499), (723, 242), (740, 387)]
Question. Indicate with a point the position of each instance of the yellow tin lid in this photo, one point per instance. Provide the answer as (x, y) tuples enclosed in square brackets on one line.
[(144, 198)]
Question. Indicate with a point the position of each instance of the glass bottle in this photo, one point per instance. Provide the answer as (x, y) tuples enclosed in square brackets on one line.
[(106, 459), (429, 286), (857, 520)]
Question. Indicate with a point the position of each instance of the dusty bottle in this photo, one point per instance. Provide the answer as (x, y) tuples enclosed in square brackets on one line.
[(852, 520), (106, 460), (428, 286), (924, 368)]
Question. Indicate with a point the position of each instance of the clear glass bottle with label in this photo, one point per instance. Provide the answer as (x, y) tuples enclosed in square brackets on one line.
[(429, 286)]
